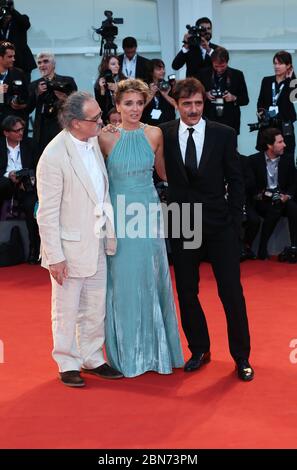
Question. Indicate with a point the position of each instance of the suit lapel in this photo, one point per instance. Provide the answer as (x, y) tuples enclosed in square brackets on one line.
[(208, 144), (176, 151), (79, 168), (263, 168)]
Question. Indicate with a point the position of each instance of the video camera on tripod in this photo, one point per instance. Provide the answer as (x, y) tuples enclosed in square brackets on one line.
[(108, 31)]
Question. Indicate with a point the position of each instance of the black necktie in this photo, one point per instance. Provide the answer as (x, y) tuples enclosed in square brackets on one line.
[(191, 157)]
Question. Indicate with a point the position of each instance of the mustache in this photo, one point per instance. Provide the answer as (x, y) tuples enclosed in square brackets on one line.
[(194, 115)]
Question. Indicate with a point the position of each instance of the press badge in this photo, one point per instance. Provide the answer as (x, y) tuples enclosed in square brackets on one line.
[(273, 110), (156, 113)]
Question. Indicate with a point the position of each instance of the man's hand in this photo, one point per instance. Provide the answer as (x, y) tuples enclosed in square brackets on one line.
[(209, 96), (17, 106), (205, 44), (60, 95), (42, 88), (228, 97), (59, 271), (12, 177), (284, 198), (185, 40)]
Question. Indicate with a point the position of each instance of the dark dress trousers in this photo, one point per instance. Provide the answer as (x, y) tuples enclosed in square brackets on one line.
[(221, 219)]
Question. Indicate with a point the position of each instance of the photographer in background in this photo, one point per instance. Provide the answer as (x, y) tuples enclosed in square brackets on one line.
[(13, 85), (197, 49), (275, 109), (46, 95), (133, 65), (275, 184), (160, 106), (106, 84), (16, 155), (13, 28), (226, 90)]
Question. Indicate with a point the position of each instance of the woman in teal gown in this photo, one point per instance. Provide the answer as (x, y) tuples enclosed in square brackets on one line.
[(141, 325)]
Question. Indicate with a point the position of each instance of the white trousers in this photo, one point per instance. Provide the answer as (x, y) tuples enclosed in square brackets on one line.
[(78, 313)]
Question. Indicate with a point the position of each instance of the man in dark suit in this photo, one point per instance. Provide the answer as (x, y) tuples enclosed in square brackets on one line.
[(46, 95), (13, 28), (226, 90), (200, 158), (197, 50), (16, 154), (133, 65), (13, 84), (275, 185)]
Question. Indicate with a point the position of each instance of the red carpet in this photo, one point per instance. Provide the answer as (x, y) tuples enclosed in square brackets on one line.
[(207, 409)]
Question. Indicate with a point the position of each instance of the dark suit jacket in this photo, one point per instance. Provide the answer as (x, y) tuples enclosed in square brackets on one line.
[(236, 86), (287, 174), (142, 67), (194, 61), (27, 157), (19, 26), (219, 165), (286, 108), (5, 108)]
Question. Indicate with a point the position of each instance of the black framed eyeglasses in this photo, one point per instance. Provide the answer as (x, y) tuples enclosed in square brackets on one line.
[(94, 119), (21, 129)]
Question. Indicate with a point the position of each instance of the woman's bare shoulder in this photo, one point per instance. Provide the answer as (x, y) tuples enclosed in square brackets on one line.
[(107, 139), (153, 131)]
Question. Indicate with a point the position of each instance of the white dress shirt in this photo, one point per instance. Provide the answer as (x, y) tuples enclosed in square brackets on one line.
[(14, 162), (87, 154), (198, 136), (129, 67)]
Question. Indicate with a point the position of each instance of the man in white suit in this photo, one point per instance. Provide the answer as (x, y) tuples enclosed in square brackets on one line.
[(76, 227)]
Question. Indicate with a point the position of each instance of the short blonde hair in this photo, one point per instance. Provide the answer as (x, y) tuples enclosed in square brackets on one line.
[(132, 85)]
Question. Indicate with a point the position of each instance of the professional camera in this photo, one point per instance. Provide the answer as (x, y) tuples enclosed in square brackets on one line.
[(266, 119), (17, 92), (218, 102), (5, 8), (165, 85), (58, 85), (108, 32), (289, 254), (107, 74), (50, 100), (274, 195), (196, 32), (27, 178)]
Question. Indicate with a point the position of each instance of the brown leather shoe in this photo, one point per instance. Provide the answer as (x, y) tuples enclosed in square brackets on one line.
[(72, 378), (104, 371), (196, 361)]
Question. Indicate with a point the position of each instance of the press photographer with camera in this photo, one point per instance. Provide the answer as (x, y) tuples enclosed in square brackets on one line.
[(274, 186), (17, 176), (13, 28), (106, 84), (226, 90), (13, 85), (197, 49), (274, 106), (160, 106), (46, 95)]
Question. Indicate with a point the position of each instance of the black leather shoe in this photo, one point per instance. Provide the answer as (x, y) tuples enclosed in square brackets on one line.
[(196, 361), (244, 370), (72, 378), (104, 371)]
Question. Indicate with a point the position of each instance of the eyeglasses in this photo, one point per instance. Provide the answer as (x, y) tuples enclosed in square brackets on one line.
[(21, 129), (94, 119), (44, 61)]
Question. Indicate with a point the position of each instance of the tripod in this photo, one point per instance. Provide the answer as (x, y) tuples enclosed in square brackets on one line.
[(108, 46)]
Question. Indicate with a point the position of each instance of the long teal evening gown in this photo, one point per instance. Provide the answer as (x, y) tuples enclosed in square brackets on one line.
[(141, 325)]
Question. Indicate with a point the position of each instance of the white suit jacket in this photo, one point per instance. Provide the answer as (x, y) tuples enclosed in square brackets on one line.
[(69, 215)]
